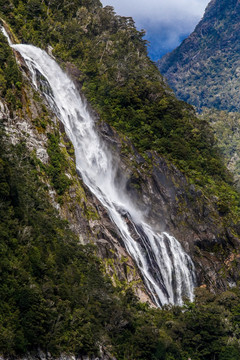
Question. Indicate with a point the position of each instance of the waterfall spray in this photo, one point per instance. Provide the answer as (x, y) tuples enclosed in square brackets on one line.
[(167, 270)]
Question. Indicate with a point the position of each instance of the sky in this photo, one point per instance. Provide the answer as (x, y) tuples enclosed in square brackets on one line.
[(167, 22)]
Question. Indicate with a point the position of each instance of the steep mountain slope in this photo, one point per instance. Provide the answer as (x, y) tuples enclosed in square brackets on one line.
[(54, 292), (204, 69), (141, 107), (226, 127)]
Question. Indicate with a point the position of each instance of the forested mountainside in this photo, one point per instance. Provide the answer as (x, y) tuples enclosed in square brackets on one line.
[(120, 81), (204, 69), (68, 285), (226, 126)]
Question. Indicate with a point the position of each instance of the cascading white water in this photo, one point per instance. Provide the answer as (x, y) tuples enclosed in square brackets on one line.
[(167, 270), (6, 35)]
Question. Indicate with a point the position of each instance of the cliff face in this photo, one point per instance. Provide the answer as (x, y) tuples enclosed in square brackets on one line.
[(55, 294), (86, 216), (163, 193), (47, 215), (204, 69), (173, 205)]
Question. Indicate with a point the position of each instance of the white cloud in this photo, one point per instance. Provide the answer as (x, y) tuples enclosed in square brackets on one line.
[(159, 10), (168, 19)]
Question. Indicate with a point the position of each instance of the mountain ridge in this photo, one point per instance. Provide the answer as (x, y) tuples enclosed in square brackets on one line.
[(204, 69)]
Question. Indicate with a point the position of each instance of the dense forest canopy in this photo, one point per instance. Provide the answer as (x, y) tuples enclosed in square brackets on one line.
[(118, 78)]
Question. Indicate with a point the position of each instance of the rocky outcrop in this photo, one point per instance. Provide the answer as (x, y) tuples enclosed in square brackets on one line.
[(173, 205), (42, 356)]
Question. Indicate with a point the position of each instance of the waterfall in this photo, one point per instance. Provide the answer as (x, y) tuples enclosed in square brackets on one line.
[(168, 272), (6, 35)]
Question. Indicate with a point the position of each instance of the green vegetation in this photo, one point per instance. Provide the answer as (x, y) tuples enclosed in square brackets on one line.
[(10, 76), (119, 80), (226, 128), (124, 86), (204, 69), (53, 294), (57, 166)]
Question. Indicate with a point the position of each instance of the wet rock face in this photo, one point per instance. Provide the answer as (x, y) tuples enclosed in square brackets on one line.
[(181, 209), (85, 214), (159, 190), (43, 356)]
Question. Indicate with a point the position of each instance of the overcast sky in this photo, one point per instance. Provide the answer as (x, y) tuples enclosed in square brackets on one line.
[(167, 22)]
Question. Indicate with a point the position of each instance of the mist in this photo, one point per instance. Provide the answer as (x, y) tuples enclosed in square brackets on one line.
[(166, 23)]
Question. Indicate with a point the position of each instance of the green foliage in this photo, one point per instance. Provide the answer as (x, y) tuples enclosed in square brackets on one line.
[(229, 353), (52, 292), (57, 166), (53, 295), (226, 129), (10, 76), (204, 69), (120, 81), (125, 88)]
